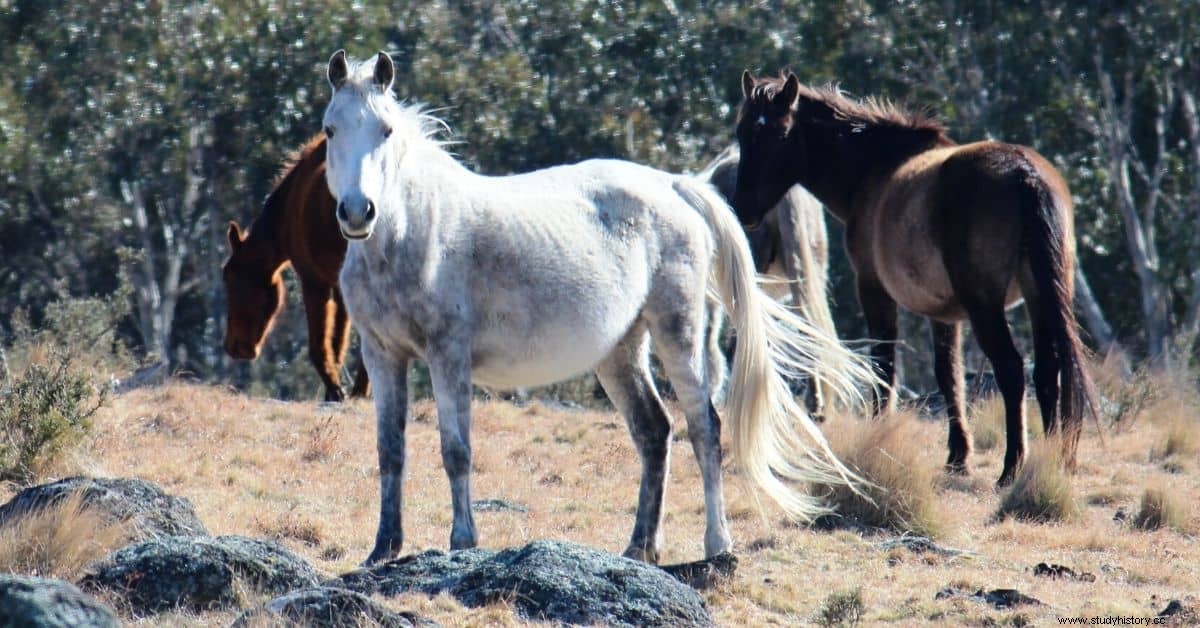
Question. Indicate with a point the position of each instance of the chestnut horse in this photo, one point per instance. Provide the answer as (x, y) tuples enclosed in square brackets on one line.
[(297, 228), (951, 232)]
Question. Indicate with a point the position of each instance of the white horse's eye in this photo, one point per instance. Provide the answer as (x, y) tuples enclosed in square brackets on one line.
[(328, 131), (387, 132)]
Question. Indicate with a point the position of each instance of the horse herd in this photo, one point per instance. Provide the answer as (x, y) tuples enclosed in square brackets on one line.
[(529, 279)]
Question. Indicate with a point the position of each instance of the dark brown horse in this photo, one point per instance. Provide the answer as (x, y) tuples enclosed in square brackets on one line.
[(951, 232), (297, 227)]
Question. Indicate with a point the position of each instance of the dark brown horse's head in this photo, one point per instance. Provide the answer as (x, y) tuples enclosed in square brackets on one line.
[(254, 293), (765, 127)]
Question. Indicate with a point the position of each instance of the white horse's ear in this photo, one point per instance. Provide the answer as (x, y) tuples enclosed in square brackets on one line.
[(790, 94), (747, 83), (385, 71), (338, 71)]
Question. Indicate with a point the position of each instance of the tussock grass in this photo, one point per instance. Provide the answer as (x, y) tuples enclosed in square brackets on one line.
[(59, 540), (1181, 439), (986, 422), (1160, 508), (1041, 491), (891, 455)]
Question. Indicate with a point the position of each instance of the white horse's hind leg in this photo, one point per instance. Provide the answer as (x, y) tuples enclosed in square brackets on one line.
[(450, 372), (625, 376), (718, 369), (679, 342)]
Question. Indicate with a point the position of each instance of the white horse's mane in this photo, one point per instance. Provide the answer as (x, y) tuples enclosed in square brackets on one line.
[(415, 120)]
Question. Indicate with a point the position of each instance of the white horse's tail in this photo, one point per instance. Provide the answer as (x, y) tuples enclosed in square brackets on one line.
[(774, 344), (813, 294)]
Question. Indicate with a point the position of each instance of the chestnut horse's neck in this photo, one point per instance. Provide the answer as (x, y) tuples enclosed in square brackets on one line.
[(847, 160), (272, 233)]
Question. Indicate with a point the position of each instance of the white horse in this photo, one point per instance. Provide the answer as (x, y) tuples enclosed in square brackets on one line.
[(533, 278)]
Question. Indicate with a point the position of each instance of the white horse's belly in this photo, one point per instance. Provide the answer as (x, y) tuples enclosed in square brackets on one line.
[(572, 342)]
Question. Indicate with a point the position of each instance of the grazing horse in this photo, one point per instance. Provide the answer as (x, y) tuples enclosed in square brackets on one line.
[(296, 227), (533, 278), (951, 232), (790, 246)]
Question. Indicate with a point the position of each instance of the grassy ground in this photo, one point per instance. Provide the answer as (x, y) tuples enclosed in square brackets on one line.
[(305, 473)]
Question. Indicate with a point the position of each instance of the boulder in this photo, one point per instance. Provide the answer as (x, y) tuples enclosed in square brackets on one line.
[(198, 573), (41, 603), (543, 581), (151, 511), (328, 607)]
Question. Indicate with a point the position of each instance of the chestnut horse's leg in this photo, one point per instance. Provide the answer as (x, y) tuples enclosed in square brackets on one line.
[(879, 310), (1046, 364), (995, 338), (391, 417), (318, 298), (948, 368), (339, 342), (625, 376)]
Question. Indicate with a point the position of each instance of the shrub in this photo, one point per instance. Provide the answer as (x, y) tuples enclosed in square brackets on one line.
[(844, 608), (45, 409)]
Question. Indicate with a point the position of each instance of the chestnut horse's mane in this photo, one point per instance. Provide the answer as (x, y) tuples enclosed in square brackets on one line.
[(307, 150), (867, 112)]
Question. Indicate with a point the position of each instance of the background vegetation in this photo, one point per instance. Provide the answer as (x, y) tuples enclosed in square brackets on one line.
[(131, 132)]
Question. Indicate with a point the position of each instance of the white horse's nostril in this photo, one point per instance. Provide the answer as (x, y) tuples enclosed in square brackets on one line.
[(341, 212)]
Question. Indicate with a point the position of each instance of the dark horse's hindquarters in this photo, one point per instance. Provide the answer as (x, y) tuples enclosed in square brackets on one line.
[(950, 232), (296, 226)]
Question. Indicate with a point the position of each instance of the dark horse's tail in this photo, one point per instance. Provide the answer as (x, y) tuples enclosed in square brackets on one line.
[(1048, 234)]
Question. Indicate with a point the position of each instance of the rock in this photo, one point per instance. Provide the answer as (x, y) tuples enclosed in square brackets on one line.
[(1006, 598), (328, 607), (151, 511), (1050, 570), (198, 573), (998, 598), (41, 603), (430, 572), (1177, 613), (497, 505), (706, 573), (921, 545), (543, 581)]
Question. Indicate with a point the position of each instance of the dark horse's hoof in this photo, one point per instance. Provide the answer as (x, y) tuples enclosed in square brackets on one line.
[(958, 468), (334, 394)]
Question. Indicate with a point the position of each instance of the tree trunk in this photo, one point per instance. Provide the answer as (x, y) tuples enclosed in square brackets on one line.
[(1097, 325)]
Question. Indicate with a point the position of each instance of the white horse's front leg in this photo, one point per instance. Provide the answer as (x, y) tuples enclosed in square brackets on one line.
[(450, 371), (390, 375)]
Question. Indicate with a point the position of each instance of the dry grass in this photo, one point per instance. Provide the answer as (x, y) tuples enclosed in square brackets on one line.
[(1041, 491), (892, 455), (60, 540), (306, 473)]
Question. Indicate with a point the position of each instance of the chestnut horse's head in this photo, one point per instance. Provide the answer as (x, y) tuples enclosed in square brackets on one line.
[(768, 163), (254, 293)]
